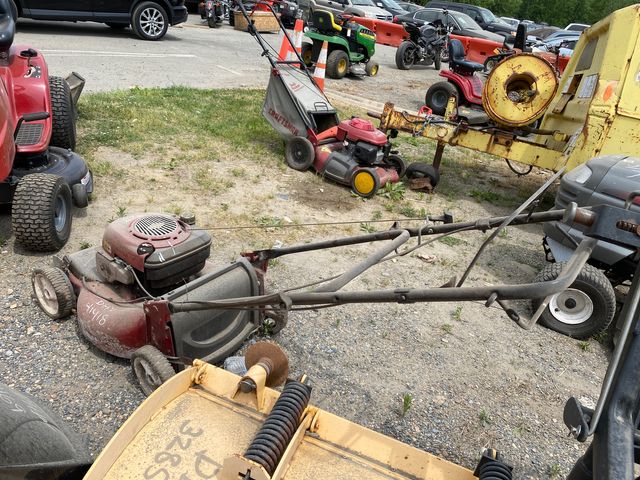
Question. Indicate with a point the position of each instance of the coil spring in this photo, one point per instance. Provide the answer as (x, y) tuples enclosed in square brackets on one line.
[(494, 470), (277, 430)]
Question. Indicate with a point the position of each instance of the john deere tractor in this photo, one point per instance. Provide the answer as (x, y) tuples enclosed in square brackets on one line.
[(351, 46)]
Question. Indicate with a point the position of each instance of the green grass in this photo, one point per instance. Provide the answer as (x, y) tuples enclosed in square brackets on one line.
[(452, 241), (407, 401)]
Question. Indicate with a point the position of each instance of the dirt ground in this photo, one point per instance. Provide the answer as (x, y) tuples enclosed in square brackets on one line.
[(474, 378)]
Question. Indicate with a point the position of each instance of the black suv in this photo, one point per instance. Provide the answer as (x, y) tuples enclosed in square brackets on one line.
[(483, 16), (149, 19)]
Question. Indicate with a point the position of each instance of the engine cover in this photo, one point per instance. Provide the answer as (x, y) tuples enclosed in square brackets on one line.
[(160, 247), (357, 129)]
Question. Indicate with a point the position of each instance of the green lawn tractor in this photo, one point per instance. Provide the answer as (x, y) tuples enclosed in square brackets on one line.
[(351, 46)]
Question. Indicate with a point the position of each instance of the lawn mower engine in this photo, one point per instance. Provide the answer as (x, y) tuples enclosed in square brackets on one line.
[(358, 154), (122, 290)]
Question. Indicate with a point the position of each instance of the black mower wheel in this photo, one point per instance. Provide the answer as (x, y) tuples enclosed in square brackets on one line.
[(437, 96), (80, 196), (371, 68), (337, 64), (117, 26), (422, 170), (583, 310), (275, 321), (63, 114), (437, 61), (149, 21), (365, 182), (405, 55), (151, 368), (41, 212), (398, 164), (299, 153), (307, 54), (53, 291)]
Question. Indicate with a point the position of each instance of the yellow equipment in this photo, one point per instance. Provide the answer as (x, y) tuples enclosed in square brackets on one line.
[(595, 110)]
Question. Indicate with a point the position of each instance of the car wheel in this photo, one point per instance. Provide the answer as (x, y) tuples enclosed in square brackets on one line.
[(584, 309), (337, 64), (150, 21), (41, 212), (63, 118), (437, 96), (151, 368)]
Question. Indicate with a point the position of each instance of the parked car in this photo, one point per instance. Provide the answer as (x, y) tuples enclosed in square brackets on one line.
[(483, 16), (358, 8), (461, 24), (391, 6), (511, 21), (542, 32), (577, 27), (562, 34), (288, 10), (409, 7), (149, 19)]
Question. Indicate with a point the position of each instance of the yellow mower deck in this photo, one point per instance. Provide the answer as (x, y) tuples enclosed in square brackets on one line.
[(194, 427)]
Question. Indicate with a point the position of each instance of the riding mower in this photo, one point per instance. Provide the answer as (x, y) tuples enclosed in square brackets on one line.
[(351, 46), (39, 174)]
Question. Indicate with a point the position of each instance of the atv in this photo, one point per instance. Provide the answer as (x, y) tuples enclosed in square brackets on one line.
[(40, 176), (351, 46)]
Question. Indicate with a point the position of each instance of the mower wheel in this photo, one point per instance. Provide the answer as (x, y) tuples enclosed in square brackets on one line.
[(80, 196), (274, 321), (117, 26), (405, 55), (53, 291), (422, 170), (151, 368), (584, 309), (41, 212), (398, 164), (63, 115), (149, 21), (437, 96), (365, 182), (337, 64), (307, 54), (299, 153), (490, 63), (371, 68)]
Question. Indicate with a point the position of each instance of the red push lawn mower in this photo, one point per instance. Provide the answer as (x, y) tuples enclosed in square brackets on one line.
[(350, 152), (39, 174), (148, 257)]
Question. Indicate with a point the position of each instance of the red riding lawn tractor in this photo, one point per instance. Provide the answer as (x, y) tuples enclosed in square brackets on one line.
[(39, 173)]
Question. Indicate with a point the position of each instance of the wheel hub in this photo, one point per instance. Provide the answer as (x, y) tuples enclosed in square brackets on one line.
[(146, 374), (45, 292), (60, 215), (151, 22), (571, 307)]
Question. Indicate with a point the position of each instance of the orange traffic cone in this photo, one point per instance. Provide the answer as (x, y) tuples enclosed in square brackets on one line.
[(285, 48), (321, 65), (297, 36)]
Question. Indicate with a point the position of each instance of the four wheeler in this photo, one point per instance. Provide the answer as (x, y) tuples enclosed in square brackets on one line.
[(214, 11), (350, 152), (351, 46), (39, 174), (145, 257), (424, 45)]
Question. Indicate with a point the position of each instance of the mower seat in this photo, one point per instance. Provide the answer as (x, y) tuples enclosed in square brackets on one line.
[(324, 22), (7, 26), (458, 63)]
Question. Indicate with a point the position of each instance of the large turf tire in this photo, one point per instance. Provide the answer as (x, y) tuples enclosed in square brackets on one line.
[(299, 153), (406, 55), (337, 64), (41, 212), (437, 96), (151, 368), (53, 291), (150, 21), (63, 115), (584, 309)]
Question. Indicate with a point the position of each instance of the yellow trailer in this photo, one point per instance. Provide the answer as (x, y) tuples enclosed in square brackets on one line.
[(595, 110)]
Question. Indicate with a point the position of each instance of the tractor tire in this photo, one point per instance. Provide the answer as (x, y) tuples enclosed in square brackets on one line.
[(406, 56), (307, 54), (299, 153), (151, 368), (337, 64), (41, 212), (53, 291), (117, 26), (437, 61), (585, 309), (437, 96), (422, 170), (398, 164), (149, 21), (63, 115), (371, 68)]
